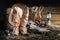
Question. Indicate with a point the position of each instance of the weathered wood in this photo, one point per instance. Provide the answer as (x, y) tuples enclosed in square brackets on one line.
[(55, 14)]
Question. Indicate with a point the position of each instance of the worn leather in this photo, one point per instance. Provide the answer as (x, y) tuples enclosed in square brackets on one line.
[(20, 19)]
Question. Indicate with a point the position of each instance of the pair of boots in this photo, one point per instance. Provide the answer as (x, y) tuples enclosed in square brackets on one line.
[(20, 20)]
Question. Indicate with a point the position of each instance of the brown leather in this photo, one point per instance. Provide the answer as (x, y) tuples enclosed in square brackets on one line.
[(16, 20), (24, 21), (20, 23)]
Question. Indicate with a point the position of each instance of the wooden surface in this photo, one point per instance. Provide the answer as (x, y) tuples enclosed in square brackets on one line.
[(55, 14)]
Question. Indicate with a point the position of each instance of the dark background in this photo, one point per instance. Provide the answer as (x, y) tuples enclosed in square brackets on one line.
[(4, 4)]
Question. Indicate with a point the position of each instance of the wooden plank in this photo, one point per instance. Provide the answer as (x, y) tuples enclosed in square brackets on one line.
[(56, 22)]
